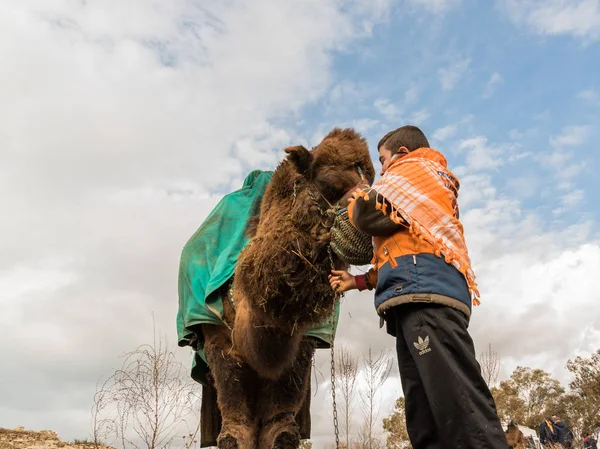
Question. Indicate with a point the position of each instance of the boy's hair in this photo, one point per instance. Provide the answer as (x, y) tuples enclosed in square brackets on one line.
[(408, 136)]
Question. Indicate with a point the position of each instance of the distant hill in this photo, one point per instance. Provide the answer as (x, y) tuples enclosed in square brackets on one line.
[(20, 438)]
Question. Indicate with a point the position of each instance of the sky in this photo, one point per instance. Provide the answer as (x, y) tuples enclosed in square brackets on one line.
[(123, 123)]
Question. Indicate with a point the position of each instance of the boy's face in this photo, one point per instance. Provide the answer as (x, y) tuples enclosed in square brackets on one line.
[(386, 156)]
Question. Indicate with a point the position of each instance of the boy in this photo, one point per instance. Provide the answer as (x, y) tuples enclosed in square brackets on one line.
[(424, 287)]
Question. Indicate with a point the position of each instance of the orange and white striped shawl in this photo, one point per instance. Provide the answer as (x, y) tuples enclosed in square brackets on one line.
[(423, 193)]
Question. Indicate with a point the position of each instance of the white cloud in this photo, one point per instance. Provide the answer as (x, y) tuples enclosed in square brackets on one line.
[(579, 18), (477, 188), (562, 158), (516, 286), (589, 95), (369, 13), (569, 200), (344, 95), (495, 80), (525, 186), (411, 95), (364, 125), (571, 136), (515, 134), (418, 117), (542, 116), (451, 75), (444, 133), (480, 155), (342, 90), (20, 281), (436, 6), (386, 108)]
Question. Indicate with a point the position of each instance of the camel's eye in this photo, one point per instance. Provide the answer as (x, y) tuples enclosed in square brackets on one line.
[(333, 182), (331, 191)]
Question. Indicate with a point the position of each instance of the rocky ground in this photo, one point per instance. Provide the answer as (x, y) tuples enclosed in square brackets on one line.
[(20, 438)]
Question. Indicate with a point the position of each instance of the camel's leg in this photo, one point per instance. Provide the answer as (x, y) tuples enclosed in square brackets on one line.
[(236, 385), (280, 400)]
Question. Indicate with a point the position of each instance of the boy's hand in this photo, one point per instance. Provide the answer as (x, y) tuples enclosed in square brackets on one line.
[(342, 281)]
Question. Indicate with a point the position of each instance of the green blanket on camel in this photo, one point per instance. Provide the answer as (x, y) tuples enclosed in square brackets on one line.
[(208, 261)]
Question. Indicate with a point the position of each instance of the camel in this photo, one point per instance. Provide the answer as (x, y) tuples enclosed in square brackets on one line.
[(261, 360), (514, 436)]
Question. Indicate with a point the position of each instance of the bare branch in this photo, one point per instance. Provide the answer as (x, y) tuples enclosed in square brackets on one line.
[(145, 402), (490, 366), (376, 371), (346, 378)]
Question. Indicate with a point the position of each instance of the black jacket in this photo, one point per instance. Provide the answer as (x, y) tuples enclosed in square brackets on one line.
[(564, 434), (548, 435)]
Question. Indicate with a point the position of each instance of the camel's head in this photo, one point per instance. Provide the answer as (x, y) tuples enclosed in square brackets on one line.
[(336, 165)]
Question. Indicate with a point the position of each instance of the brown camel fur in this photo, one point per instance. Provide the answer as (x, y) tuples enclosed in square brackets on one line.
[(261, 363), (514, 437)]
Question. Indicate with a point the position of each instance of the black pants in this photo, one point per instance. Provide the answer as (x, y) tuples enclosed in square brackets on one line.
[(448, 404)]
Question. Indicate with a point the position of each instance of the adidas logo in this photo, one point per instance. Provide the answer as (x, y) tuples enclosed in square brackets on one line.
[(423, 345)]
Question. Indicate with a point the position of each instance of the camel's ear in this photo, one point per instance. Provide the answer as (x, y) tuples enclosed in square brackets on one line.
[(300, 157)]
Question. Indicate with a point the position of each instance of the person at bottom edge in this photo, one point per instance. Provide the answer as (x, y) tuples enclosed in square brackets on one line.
[(424, 287)]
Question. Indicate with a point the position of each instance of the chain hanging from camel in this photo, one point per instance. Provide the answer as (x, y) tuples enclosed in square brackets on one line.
[(336, 426)]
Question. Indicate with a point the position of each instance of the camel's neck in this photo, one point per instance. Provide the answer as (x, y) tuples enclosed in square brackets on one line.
[(267, 345)]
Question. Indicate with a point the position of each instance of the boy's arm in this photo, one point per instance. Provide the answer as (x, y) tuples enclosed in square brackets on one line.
[(366, 281), (367, 218)]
